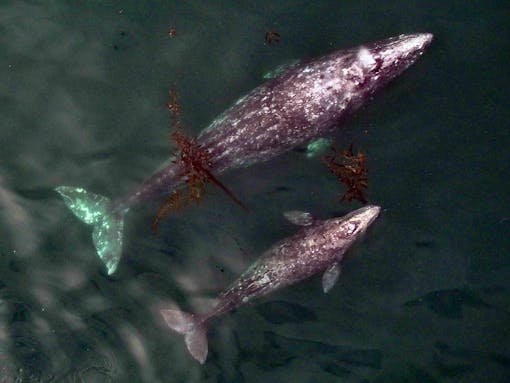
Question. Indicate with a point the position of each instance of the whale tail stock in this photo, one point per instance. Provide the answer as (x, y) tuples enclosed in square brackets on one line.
[(193, 329), (108, 225)]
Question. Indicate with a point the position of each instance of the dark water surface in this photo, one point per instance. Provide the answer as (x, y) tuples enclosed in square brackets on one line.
[(424, 297)]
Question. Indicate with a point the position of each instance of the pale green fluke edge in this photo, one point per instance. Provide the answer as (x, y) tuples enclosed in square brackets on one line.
[(317, 147), (108, 227)]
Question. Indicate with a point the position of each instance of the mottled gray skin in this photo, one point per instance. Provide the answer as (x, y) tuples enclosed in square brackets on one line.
[(317, 248), (306, 102), (310, 251)]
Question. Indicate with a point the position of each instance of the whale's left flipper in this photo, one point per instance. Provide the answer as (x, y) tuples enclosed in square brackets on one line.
[(108, 226)]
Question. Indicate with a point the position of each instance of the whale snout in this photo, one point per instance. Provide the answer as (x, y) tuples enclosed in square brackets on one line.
[(415, 42), (368, 214), (386, 59), (359, 220), (404, 48)]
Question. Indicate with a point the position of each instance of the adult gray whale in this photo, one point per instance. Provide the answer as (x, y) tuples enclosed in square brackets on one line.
[(318, 247), (304, 103)]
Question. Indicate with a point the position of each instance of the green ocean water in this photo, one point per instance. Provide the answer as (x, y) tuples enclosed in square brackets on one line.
[(423, 297)]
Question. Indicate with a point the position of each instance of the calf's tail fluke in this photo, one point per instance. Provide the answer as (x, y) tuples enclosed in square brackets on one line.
[(194, 331), (107, 225)]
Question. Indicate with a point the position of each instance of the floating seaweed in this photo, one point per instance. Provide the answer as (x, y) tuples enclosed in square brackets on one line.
[(174, 107), (351, 171), (196, 164), (270, 37), (172, 203)]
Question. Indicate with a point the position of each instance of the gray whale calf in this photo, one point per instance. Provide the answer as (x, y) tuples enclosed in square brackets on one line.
[(306, 102), (318, 247)]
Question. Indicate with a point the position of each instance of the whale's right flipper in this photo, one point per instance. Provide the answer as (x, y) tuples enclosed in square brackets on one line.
[(108, 226), (330, 276)]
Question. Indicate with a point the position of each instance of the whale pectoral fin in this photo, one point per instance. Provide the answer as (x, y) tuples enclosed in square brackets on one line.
[(300, 218), (330, 276), (317, 147)]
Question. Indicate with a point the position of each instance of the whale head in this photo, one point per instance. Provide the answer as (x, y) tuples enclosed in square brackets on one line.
[(359, 72), (357, 222), (336, 235), (383, 60)]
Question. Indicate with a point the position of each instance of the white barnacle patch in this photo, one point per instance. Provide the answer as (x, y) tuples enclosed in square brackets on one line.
[(366, 58), (264, 280), (351, 227), (332, 84)]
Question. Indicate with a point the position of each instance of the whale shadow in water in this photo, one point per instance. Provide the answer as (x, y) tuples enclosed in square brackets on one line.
[(338, 360), (452, 302)]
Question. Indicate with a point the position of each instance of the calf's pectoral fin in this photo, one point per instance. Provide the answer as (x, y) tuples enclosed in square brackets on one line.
[(330, 276)]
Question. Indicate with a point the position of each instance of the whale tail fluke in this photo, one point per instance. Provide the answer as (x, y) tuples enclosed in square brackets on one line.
[(108, 226), (194, 331)]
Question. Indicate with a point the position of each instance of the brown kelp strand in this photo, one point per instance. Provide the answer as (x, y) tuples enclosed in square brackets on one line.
[(350, 169), (196, 162)]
